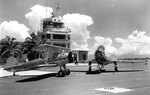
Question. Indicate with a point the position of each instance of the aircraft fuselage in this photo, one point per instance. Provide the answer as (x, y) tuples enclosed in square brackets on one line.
[(26, 65)]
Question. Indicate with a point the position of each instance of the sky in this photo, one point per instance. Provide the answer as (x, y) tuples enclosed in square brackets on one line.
[(122, 26)]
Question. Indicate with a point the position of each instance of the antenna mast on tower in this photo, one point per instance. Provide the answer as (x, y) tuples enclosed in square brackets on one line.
[(58, 10), (46, 9)]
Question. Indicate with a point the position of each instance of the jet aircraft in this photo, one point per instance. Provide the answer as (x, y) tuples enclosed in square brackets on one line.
[(102, 60), (54, 55)]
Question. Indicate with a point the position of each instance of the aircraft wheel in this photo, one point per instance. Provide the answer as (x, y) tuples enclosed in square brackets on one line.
[(61, 73), (67, 72)]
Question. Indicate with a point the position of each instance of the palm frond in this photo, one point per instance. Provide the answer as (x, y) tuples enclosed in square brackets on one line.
[(5, 53)]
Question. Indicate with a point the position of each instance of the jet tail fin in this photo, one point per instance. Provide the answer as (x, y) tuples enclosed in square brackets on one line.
[(11, 61)]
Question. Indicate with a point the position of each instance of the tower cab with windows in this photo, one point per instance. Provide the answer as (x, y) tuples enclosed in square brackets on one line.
[(54, 31)]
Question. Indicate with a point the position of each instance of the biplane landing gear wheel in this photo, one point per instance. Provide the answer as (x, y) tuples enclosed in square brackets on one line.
[(67, 72), (61, 73)]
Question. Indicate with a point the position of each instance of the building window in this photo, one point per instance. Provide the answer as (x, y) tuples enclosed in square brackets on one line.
[(48, 36), (58, 36), (43, 36)]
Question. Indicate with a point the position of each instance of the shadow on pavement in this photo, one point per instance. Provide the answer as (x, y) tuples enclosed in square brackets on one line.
[(78, 71), (36, 78), (107, 71)]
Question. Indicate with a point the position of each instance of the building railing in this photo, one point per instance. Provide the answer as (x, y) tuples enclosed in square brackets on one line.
[(58, 40)]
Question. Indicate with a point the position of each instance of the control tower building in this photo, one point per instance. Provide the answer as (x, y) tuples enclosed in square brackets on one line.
[(53, 31)]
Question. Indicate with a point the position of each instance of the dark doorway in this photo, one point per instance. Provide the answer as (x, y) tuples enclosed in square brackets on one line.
[(84, 56)]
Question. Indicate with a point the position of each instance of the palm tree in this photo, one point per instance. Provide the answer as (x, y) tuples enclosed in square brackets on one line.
[(27, 46), (10, 48), (29, 43)]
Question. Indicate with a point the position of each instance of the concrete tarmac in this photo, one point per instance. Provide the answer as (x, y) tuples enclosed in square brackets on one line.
[(129, 80)]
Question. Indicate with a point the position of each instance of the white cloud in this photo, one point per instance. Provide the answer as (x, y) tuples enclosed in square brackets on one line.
[(13, 29), (137, 43), (78, 24), (37, 13), (76, 46)]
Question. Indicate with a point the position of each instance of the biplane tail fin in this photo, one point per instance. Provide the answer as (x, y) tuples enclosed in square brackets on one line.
[(11, 61)]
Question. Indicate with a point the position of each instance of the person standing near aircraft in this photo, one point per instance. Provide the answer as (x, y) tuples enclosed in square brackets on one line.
[(75, 59), (100, 57)]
